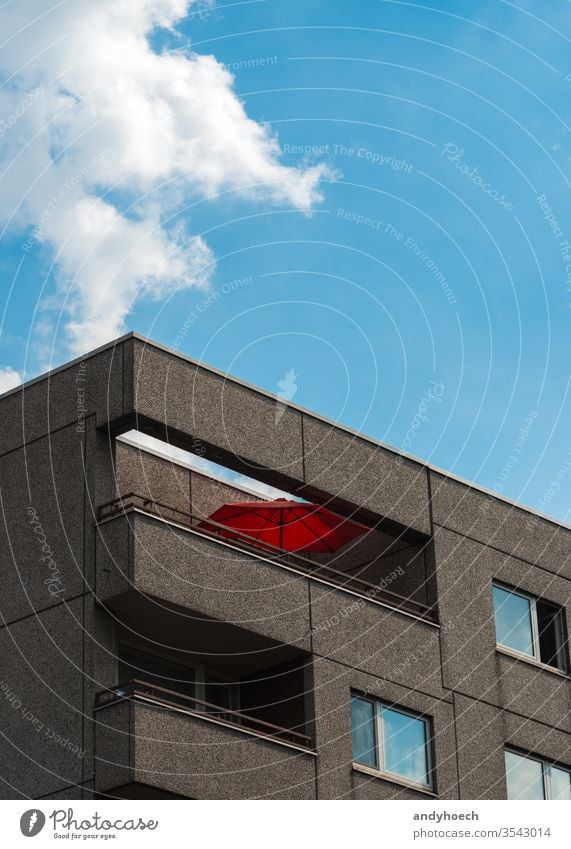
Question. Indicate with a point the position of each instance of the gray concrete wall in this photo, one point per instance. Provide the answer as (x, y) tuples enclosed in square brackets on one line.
[(41, 660), (51, 635), (41, 529), (500, 525), (196, 758), (51, 403), (151, 477), (216, 411), (368, 636)]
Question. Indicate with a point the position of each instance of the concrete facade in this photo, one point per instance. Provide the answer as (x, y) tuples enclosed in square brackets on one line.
[(76, 583)]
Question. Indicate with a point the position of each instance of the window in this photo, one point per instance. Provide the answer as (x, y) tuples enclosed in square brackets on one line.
[(222, 694), (531, 778), (392, 742), (529, 626), (135, 664)]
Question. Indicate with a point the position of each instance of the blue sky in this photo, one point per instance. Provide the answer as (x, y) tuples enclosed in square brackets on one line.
[(435, 256)]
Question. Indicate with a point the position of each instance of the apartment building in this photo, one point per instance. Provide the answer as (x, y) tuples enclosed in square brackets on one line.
[(208, 593)]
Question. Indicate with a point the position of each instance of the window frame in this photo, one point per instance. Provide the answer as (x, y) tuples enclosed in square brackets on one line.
[(559, 626), (378, 706), (546, 767)]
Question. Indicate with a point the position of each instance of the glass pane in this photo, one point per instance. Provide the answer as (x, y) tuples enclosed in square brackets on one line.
[(137, 664), (405, 746), (363, 728), (513, 621), (560, 783), (524, 777), (222, 695), (549, 627), (217, 694)]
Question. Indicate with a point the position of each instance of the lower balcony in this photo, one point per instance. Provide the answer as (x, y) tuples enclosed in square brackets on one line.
[(154, 742), (145, 691)]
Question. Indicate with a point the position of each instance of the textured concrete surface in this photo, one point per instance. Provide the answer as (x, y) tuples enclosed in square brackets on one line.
[(501, 525), (398, 565), (113, 734), (100, 671), (41, 529), (483, 731), (355, 470), (465, 603), (189, 570), (480, 736), (383, 642), (152, 477), (534, 692), (537, 738), (40, 666), (216, 411), (188, 755), (49, 404), (74, 791), (367, 787), (113, 574)]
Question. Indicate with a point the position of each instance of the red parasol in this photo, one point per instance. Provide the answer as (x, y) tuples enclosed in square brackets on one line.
[(289, 525)]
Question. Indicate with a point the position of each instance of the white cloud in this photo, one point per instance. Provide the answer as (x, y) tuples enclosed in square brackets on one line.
[(9, 379), (113, 118), (134, 258)]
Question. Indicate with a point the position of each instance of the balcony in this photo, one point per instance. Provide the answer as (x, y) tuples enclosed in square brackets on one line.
[(201, 701), (364, 568), (144, 691), (151, 742), (188, 683)]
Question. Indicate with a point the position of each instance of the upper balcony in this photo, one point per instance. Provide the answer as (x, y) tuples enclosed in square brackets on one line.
[(196, 521)]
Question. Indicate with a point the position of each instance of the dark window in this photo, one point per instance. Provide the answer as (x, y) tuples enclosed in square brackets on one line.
[(222, 693), (185, 683), (152, 669), (550, 628)]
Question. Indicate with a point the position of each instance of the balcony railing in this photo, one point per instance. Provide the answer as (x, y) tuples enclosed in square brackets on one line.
[(153, 693), (294, 561)]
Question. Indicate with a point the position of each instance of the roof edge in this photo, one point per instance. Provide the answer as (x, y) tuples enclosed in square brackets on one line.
[(69, 363), (304, 410)]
